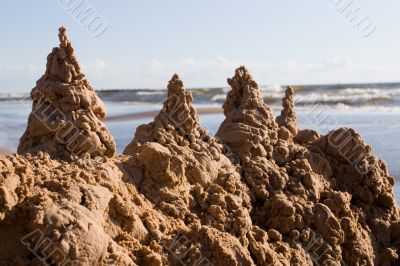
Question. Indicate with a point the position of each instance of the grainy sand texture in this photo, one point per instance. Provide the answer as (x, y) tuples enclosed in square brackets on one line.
[(261, 192)]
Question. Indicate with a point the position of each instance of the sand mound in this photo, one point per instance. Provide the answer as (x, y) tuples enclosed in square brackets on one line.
[(66, 115), (306, 186), (262, 192), (180, 168), (165, 202)]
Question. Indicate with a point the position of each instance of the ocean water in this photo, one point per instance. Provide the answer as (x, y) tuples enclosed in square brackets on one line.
[(357, 95), (373, 110)]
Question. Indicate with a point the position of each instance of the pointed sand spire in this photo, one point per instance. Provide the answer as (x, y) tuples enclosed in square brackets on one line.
[(66, 115), (248, 119), (61, 63), (177, 123), (178, 110), (288, 118), (244, 97)]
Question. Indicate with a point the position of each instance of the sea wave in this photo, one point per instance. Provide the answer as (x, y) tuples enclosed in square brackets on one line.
[(13, 96), (353, 95)]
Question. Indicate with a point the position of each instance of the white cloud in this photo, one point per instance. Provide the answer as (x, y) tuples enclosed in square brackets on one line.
[(187, 62), (15, 68), (214, 72), (204, 73), (15, 78), (97, 65)]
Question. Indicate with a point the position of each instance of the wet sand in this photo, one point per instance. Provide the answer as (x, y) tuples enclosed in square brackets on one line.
[(140, 115)]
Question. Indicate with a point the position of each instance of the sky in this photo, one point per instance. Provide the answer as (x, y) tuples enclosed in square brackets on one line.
[(141, 44)]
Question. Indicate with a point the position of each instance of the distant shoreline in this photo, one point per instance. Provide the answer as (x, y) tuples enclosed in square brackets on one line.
[(150, 114), (5, 152)]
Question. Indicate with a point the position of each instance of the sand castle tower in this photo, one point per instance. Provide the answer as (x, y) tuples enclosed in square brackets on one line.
[(288, 117), (245, 96), (66, 115), (248, 120), (177, 123)]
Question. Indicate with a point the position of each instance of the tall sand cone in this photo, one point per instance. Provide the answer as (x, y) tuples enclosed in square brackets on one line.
[(244, 97), (178, 110), (288, 119), (177, 123), (249, 121), (66, 115), (61, 62)]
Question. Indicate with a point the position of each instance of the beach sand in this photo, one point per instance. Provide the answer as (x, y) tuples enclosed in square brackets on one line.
[(4, 151), (141, 115)]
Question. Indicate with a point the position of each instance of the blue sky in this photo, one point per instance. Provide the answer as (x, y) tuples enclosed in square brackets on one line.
[(145, 42)]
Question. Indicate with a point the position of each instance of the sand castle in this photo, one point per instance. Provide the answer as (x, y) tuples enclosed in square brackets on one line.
[(262, 192)]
